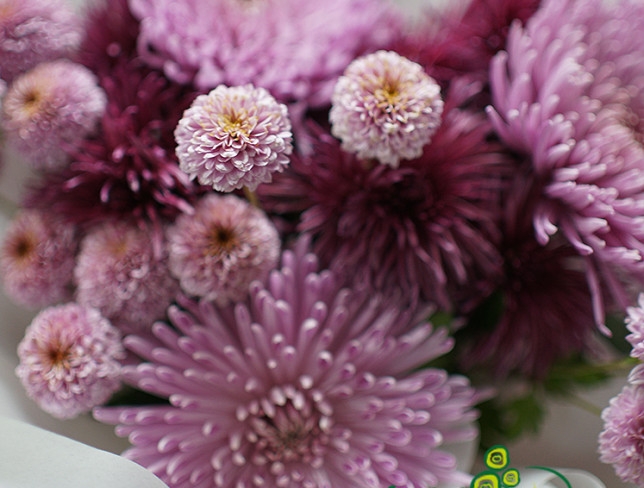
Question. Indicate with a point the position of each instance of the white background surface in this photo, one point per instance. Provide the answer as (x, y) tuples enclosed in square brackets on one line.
[(568, 439)]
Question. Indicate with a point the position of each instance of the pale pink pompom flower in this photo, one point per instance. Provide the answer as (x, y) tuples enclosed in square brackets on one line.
[(234, 137), (70, 360), (385, 107), (219, 250), (49, 109), (37, 259), (120, 272), (621, 442)]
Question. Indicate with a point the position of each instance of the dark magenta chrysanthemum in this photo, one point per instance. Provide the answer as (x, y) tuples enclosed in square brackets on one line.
[(541, 309), (34, 31), (219, 250), (425, 227), (70, 360), (37, 259), (129, 169), (234, 137), (281, 45), (119, 272), (50, 108), (461, 40), (110, 35), (305, 385)]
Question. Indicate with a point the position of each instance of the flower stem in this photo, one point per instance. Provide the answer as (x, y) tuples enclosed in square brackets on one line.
[(252, 197)]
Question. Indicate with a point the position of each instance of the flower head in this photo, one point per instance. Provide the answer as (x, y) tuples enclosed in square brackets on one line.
[(128, 169), (280, 45), (385, 107), (635, 324), (33, 31), (56, 104), (216, 252), (119, 273), (564, 97), (234, 137), (425, 228), (37, 259), (620, 442), (541, 302), (69, 360), (305, 385)]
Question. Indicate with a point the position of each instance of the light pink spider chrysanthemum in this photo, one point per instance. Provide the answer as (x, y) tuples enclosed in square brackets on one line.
[(35, 31), (306, 385), (567, 96), (216, 252), (70, 360), (234, 137), (635, 325), (119, 273), (37, 259), (49, 108), (385, 107)]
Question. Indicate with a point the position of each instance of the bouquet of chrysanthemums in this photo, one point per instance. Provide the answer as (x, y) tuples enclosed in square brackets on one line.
[(302, 243)]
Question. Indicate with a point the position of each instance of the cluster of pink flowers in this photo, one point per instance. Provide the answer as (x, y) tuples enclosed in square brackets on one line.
[(263, 202)]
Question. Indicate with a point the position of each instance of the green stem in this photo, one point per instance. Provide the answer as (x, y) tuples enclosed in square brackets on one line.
[(584, 404)]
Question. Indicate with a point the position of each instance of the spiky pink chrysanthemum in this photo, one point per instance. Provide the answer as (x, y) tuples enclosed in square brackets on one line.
[(426, 227), (37, 259), (219, 250), (128, 170), (70, 360), (621, 440), (234, 137), (33, 31), (635, 325), (564, 96), (119, 273), (53, 106), (280, 45), (306, 385), (385, 107)]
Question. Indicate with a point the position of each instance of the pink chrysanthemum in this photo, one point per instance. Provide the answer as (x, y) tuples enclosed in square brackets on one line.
[(69, 360), (280, 45), (216, 252), (234, 137), (635, 324), (621, 442), (119, 273), (50, 107), (562, 94), (128, 170), (37, 259), (426, 227), (385, 107), (305, 386), (33, 31)]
